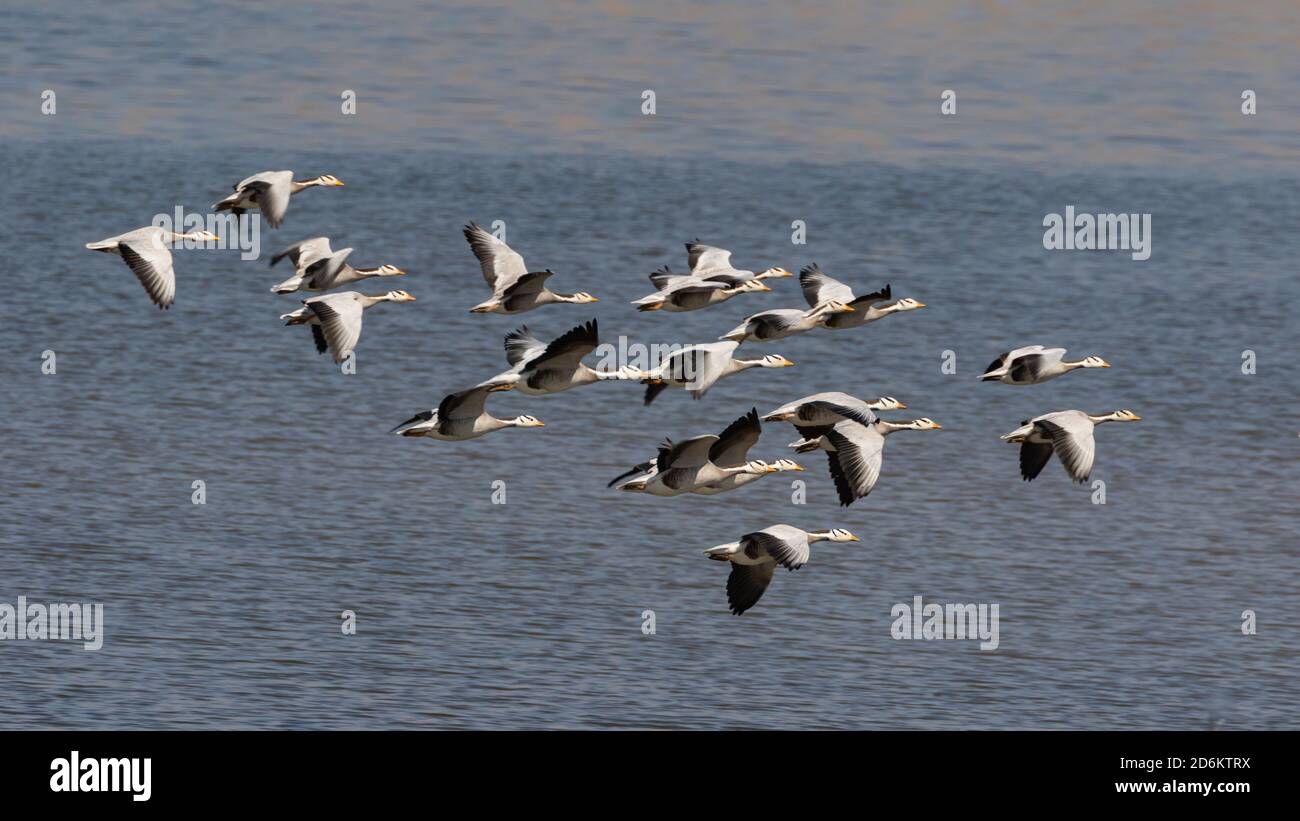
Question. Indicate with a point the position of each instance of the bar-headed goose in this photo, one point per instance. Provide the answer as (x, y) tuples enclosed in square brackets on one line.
[(818, 288), (1069, 434), (854, 452), (692, 293), (269, 193), (335, 319), (681, 467), (755, 556), (731, 450), (697, 367), (814, 415), (779, 323), (145, 252), (319, 268), (713, 263), (539, 368), (1034, 364), (461, 416), (515, 289)]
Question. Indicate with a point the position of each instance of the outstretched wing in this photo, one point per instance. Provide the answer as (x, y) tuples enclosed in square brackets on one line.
[(818, 287), (501, 265), (340, 322), (702, 258)]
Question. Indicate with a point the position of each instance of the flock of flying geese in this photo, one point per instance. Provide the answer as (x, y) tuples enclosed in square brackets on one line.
[(845, 427)]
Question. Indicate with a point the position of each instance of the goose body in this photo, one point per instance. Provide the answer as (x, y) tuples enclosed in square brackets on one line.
[(460, 416), (1068, 434), (692, 293), (1034, 364), (698, 367), (816, 414), (728, 452), (755, 556), (779, 323), (855, 451), (819, 288), (269, 193), (319, 268), (145, 252), (515, 289), (539, 368), (709, 262), (335, 319)]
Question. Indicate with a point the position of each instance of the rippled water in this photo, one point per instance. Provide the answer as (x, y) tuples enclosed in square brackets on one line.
[(528, 614)]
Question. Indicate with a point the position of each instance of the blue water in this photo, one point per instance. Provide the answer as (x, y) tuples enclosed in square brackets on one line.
[(528, 614)]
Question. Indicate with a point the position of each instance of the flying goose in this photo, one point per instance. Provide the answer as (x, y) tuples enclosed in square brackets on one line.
[(145, 252), (1034, 364), (1069, 434), (335, 319), (729, 451), (697, 367), (318, 268), (515, 289), (814, 415), (682, 467), (854, 453), (779, 323), (461, 416), (755, 557), (710, 262), (692, 293), (269, 193), (539, 368), (818, 288)]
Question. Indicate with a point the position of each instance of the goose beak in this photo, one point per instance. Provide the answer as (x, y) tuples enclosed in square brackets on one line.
[(920, 304), (773, 469), (855, 539), (937, 426), (901, 406), (1137, 418), (789, 363), (338, 183), (798, 468), (1105, 364), (847, 309)]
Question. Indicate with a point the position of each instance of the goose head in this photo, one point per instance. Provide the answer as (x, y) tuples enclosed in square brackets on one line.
[(757, 467), (197, 236), (580, 298), (924, 424), (1094, 362), (398, 296), (1119, 416), (886, 403), (751, 286), (775, 360), (831, 306), (908, 304), (786, 464), (839, 534), (389, 271), (773, 273), (325, 179), (526, 421)]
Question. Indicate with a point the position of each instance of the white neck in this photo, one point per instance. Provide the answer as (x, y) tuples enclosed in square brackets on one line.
[(817, 535)]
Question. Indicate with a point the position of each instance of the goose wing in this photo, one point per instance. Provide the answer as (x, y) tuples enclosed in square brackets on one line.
[(323, 272), (1031, 367), (530, 282), (734, 443), (522, 346), (1072, 440), (569, 348), (303, 254), (1006, 358), (1033, 456), (855, 463), (746, 584), (774, 323), (340, 321), (149, 259), (787, 545), (501, 265), (818, 287), (694, 296), (466, 404), (703, 257), (272, 190), (865, 301), (816, 411), (679, 462), (665, 278)]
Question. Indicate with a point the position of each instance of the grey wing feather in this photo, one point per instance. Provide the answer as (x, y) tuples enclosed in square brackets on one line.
[(151, 263), (817, 287), (746, 584)]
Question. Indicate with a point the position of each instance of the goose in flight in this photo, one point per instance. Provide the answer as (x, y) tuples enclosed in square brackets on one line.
[(682, 467), (691, 294), (854, 452), (814, 415), (779, 323), (731, 450), (335, 319), (318, 268), (697, 367), (269, 193), (1034, 364), (538, 368), (461, 416), (1069, 434), (754, 558), (713, 263), (515, 289), (818, 288), (145, 252)]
